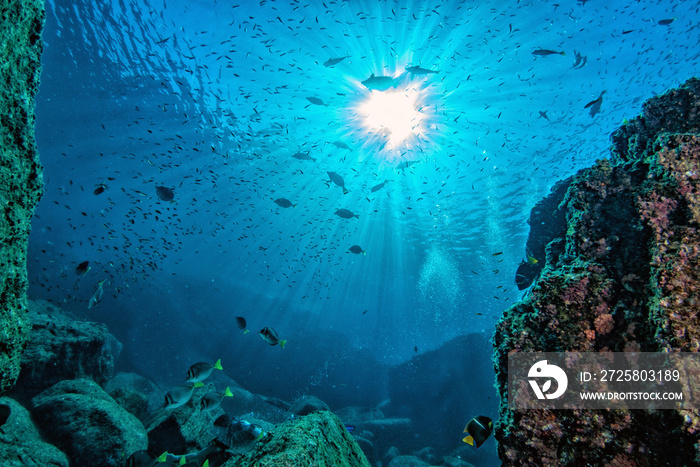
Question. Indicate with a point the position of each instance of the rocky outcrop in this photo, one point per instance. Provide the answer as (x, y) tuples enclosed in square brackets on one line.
[(622, 276), (61, 348), (21, 444), (317, 439), (21, 183), (88, 425)]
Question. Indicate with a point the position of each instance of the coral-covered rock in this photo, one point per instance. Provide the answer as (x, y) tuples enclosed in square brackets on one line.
[(21, 182), (626, 278), (61, 348), (317, 439), (21, 444), (88, 425)]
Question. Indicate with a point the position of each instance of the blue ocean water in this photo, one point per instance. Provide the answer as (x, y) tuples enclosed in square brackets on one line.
[(214, 100)]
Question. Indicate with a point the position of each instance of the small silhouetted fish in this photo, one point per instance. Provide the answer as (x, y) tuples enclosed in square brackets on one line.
[(595, 105), (4, 413), (97, 296), (416, 70), (165, 193), (545, 52), (284, 203), (580, 61), (666, 22), (405, 164), (201, 371), (378, 186), (303, 156), (315, 101), (341, 145), (99, 189), (240, 321), (270, 336), (346, 214), (338, 180), (334, 61), (82, 268), (357, 249)]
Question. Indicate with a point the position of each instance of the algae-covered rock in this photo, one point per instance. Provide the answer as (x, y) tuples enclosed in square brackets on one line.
[(21, 444), (61, 348), (21, 23), (88, 425), (317, 439), (625, 277)]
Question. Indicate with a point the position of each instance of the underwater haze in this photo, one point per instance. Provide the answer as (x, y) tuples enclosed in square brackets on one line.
[(356, 175)]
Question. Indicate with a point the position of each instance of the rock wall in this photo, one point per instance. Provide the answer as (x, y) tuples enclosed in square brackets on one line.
[(622, 275), (21, 23)]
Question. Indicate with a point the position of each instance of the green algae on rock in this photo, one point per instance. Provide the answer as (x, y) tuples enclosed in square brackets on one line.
[(318, 439), (625, 279), (21, 23)]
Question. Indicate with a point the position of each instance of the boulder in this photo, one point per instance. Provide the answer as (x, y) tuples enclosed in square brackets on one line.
[(138, 395), (21, 444), (62, 348), (81, 419), (308, 404), (427, 454), (387, 432), (319, 439), (391, 453), (21, 182)]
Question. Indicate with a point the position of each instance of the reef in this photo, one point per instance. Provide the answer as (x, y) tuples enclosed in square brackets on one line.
[(69, 409), (620, 275), (21, 23)]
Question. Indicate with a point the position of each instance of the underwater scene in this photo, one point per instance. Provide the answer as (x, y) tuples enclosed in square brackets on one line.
[(311, 233)]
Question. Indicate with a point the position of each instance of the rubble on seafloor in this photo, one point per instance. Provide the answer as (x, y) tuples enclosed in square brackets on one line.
[(621, 274)]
